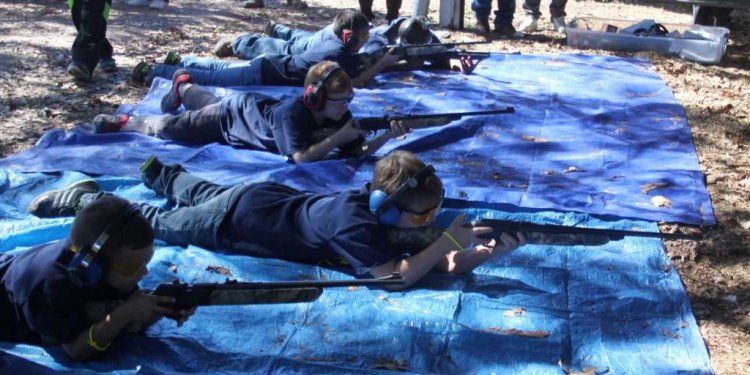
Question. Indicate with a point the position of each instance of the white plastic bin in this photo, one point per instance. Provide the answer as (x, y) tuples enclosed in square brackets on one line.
[(703, 44)]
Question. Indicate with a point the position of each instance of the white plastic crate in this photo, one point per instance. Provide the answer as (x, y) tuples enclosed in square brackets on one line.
[(703, 44)]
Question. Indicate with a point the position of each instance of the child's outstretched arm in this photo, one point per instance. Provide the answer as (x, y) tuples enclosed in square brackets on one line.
[(463, 261), (318, 151), (413, 268), (139, 308), (366, 76)]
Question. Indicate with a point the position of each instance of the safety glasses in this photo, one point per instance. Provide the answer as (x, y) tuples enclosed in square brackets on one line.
[(424, 217)]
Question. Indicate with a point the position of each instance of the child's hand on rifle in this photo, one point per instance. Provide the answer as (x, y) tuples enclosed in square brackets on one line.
[(468, 64), (398, 128), (145, 308), (389, 58), (466, 235), (181, 316), (349, 132), (506, 243)]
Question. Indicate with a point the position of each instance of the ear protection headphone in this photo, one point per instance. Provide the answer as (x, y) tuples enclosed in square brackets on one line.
[(87, 268), (315, 96), (381, 204), (348, 37)]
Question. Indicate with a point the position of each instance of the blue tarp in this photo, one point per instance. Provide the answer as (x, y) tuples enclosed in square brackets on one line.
[(593, 134), (620, 307)]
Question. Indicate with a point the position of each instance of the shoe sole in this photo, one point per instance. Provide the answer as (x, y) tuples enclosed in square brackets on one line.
[(92, 184), (78, 73)]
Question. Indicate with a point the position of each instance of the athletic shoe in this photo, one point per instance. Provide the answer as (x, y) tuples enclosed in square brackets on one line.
[(529, 24), (107, 64), (150, 170), (269, 27), (483, 25), (79, 71), (109, 124), (172, 100), (62, 202), (224, 48), (507, 30), (172, 58), (140, 73), (558, 24)]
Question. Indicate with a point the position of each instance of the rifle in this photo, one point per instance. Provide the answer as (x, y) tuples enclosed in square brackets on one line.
[(429, 51), (233, 292), (550, 234), (422, 120)]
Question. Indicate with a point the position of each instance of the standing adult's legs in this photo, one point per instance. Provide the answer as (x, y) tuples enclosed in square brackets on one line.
[(90, 18)]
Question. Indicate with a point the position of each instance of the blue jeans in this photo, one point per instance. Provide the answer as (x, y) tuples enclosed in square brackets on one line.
[(201, 207), (503, 15), (556, 8), (302, 40), (214, 72)]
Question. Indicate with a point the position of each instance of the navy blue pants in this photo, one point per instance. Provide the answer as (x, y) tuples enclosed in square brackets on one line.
[(199, 209), (90, 19)]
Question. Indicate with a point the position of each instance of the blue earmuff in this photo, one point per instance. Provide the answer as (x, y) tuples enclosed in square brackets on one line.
[(87, 269), (381, 203)]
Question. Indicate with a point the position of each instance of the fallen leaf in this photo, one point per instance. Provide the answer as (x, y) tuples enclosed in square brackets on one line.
[(533, 139), (173, 268), (573, 169), (390, 108), (661, 201), (219, 269), (539, 334), (390, 364), (652, 186), (515, 312), (667, 333), (585, 371), (351, 288)]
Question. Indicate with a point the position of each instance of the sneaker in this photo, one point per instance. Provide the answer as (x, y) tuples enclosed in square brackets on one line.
[(172, 100), (483, 25), (109, 124), (253, 4), (158, 4), (150, 170), (172, 58), (558, 24), (529, 24), (507, 30), (79, 71), (138, 3), (270, 26), (224, 48), (140, 73), (107, 64), (62, 202)]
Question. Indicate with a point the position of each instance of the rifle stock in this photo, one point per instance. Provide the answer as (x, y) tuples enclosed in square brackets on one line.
[(233, 292), (383, 122)]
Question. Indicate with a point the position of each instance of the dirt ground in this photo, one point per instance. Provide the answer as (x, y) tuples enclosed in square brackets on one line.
[(36, 96)]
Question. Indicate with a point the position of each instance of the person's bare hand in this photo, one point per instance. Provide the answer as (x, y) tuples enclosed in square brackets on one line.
[(348, 132), (507, 242), (398, 128), (467, 64), (390, 58), (145, 308), (466, 235)]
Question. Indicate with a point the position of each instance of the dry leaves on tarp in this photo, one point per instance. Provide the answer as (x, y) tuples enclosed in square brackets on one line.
[(661, 201), (652, 186), (573, 169), (667, 333), (391, 364), (539, 334), (585, 371), (515, 312), (220, 270)]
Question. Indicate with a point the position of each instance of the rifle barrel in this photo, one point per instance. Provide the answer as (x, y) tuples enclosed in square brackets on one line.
[(382, 122), (510, 226)]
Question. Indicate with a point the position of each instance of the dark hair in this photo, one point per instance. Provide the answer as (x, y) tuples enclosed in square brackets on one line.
[(395, 169), (352, 20), (337, 82), (91, 221), (414, 30)]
